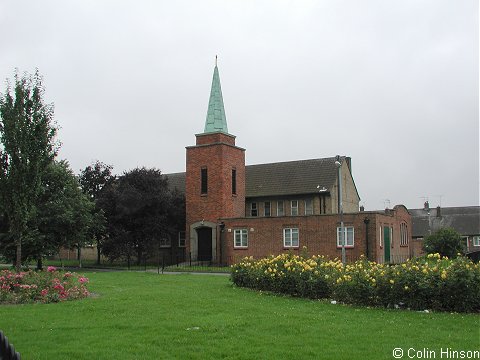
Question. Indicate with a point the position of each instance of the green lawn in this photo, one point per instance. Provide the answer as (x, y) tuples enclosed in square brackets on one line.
[(138, 315)]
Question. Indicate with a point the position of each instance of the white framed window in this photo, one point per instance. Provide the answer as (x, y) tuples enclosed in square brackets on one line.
[(165, 242), (253, 209), (294, 207), (309, 207), (290, 238), (476, 241), (403, 234), (267, 208), (465, 238), (280, 208), (381, 237), (181, 239), (240, 237), (348, 234), (391, 236)]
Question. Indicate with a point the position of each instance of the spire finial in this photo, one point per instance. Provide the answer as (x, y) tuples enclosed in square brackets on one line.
[(216, 56)]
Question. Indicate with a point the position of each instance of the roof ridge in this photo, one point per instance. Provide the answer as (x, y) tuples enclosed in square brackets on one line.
[(297, 161)]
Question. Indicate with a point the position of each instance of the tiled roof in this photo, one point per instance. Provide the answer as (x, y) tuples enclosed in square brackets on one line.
[(176, 181), (290, 178), (282, 178), (465, 220)]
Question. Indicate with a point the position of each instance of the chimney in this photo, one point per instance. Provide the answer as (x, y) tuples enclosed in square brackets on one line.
[(426, 206), (362, 208), (439, 213)]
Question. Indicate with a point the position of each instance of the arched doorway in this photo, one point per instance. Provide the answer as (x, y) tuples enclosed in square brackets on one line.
[(204, 236)]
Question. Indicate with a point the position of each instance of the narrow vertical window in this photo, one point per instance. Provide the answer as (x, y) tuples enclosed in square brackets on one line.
[(403, 235), (294, 208), (181, 239), (309, 207), (204, 181), (234, 182), (280, 209), (253, 209), (266, 208)]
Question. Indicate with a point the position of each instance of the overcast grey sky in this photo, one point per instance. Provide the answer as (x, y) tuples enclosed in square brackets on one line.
[(392, 84)]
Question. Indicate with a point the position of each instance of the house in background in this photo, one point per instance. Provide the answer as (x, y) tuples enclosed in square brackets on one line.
[(465, 220), (234, 210)]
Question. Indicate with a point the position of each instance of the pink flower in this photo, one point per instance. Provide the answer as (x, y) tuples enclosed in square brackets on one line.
[(68, 274), (82, 280), (44, 292), (51, 269)]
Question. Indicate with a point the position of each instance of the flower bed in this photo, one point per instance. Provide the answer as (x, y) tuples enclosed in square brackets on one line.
[(43, 286), (432, 282)]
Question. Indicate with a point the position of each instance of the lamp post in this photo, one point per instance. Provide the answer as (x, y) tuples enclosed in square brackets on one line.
[(338, 164)]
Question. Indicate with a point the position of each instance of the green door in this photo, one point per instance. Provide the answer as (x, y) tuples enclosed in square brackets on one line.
[(386, 243)]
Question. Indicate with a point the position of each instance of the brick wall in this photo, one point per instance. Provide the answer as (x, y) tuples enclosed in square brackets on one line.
[(218, 154), (317, 233)]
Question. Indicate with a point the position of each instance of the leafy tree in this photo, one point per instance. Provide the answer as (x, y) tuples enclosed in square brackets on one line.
[(446, 242), (63, 217), (140, 210), (27, 134), (94, 179)]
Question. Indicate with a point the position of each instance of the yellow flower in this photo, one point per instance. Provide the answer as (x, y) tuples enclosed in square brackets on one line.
[(392, 282), (406, 287), (444, 275)]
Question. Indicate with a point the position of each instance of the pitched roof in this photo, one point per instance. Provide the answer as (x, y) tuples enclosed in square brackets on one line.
[(465, 220), (216, 119), (290, 178), (282, 178), (176, 181)]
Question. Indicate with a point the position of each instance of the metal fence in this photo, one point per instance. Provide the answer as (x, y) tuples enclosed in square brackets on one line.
[(186, 263), (7, 351)]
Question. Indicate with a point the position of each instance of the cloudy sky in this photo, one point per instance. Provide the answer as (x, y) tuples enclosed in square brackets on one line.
[(394, 84)]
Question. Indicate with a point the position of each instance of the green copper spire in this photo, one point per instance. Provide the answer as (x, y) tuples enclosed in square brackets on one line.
[(216, 120)]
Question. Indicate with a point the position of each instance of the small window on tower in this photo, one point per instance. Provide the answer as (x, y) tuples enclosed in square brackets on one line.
[(234, 182), (204, 181)]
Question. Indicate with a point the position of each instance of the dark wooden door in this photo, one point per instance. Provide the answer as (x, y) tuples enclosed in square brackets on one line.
[(204, 236)]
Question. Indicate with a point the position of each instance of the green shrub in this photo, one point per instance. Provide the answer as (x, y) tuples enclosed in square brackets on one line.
[(446, 242), (433, 282)]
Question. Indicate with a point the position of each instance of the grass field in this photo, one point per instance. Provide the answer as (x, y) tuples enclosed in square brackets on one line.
[(137, 315)]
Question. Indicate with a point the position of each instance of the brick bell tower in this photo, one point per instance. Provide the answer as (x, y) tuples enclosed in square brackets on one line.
[(215, 182)]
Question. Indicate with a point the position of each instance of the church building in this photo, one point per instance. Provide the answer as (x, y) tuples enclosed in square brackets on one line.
[(234, 210)]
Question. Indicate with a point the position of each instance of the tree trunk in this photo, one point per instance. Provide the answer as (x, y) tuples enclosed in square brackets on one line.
[(39, 264), (79, 256), (18, 263), (98, 254)]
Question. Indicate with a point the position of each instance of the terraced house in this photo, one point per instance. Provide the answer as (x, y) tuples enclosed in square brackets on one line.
[(234, 210)]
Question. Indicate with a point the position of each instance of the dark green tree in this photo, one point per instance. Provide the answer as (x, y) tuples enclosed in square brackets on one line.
[(27, 134), (95, 179), (446, 242), (140, 211)]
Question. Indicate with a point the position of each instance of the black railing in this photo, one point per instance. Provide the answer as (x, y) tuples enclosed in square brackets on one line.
[(7, 351), (188, 263)]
